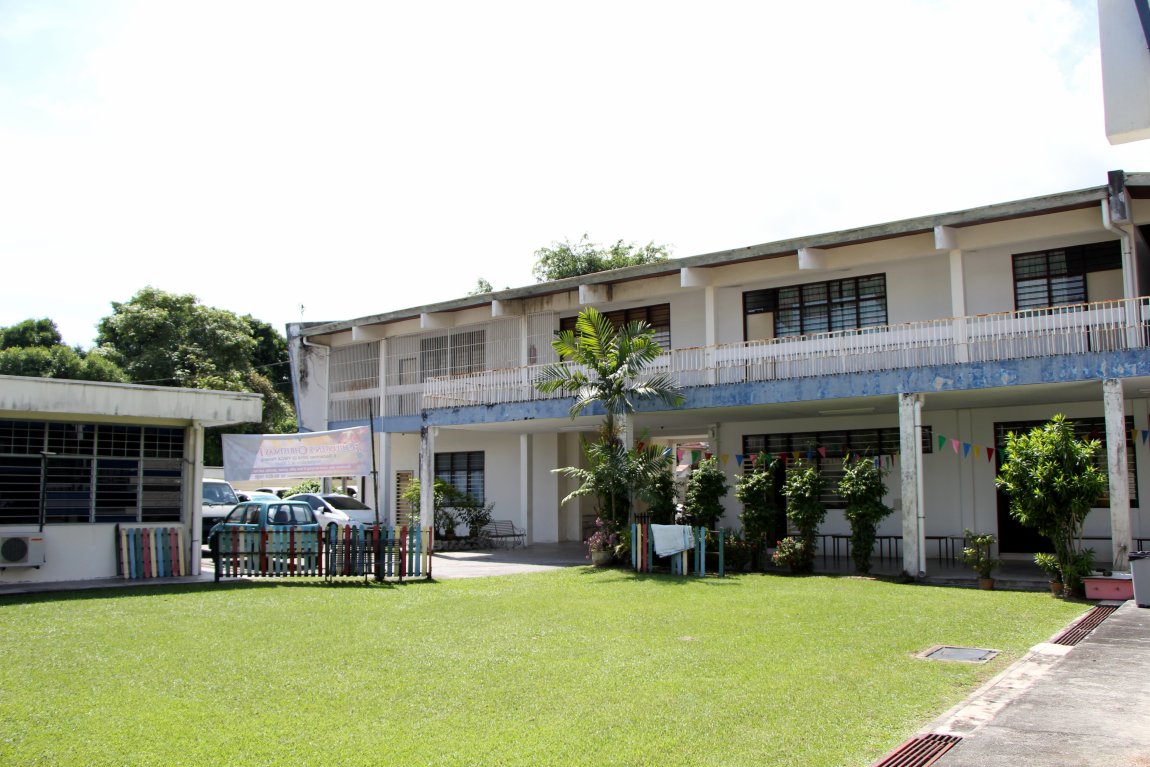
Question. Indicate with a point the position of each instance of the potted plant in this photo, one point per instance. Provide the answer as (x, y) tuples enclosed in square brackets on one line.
[(1049, 565), (803, 488), (862, 487), (792, 552), (601, 544), (978, 555)]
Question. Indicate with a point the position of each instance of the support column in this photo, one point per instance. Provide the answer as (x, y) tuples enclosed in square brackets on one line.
[(525, 486), (195, 498), (910, 463), (1120, 527), (384, 493), (427, 436)]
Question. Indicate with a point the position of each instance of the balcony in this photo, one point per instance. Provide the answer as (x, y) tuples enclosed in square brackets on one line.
[(1106, 326)]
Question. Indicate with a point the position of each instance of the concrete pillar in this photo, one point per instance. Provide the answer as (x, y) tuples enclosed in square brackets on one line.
[(958, 307), (194, 493), (544, 525), (1120, 522), (427, 436), (910, 462), (526, 482), (385, 499)]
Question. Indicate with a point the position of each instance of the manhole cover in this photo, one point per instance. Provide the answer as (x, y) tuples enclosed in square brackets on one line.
[(959, 654)]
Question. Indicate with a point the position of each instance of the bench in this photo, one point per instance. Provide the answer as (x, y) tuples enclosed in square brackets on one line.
[(498, 531)]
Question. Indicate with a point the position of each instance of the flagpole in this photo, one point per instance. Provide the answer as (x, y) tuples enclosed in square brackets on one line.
[(374, 470)]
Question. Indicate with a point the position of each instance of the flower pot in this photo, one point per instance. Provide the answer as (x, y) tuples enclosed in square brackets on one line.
[(986, 584), (1056, 588), (601, 558)]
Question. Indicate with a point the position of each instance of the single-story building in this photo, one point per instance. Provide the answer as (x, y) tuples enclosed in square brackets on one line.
[(78, 459)]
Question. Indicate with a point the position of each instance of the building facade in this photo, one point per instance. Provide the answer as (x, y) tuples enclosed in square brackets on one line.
[(919, 342), (78, 458)]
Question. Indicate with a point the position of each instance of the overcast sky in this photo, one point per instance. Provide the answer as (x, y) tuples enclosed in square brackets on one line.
[(330, 160)]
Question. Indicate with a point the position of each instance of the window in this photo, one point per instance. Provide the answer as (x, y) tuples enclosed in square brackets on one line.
[(658, 317), (1058, 277), (826, 449), (90, 472), (455, 353), (463, 471), (820, 307), (1084, 428)]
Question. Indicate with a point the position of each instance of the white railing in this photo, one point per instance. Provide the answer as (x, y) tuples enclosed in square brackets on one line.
[(1105, 326)]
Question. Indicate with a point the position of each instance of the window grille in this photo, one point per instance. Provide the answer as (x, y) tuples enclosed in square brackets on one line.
[(821, 307), (463, 471), (657, 316), (99, 473), (1058, 277), (540, 333), (354, 383)]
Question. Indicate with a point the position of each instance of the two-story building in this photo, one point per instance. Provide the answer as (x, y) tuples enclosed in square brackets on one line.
[(922, 342)]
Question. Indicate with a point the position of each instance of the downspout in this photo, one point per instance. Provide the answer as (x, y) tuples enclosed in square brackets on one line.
[(921, 532)]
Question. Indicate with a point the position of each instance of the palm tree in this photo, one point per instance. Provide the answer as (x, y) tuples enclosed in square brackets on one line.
[(599, 363)]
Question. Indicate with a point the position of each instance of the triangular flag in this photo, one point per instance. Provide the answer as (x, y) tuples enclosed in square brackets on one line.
[(679, 455), (739, 458), (954, 444), (810, 455), (877, 462), (990, 454), (977, 450), (708, 455), (823, 450), (941, 441), (1145, 434), (724, 457)]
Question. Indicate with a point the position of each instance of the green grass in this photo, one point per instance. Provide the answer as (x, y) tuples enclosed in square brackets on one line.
[(577, 667)]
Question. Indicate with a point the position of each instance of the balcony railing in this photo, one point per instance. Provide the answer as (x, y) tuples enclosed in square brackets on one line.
[(1096, 327)]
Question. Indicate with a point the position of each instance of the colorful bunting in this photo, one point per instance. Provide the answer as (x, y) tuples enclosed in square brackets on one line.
[(739, 458)]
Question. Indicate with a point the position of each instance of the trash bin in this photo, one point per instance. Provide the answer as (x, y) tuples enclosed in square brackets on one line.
[(1140, 573)]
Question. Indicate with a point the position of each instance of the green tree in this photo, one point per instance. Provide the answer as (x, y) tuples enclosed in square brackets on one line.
[(168, 339), (803, 488), (608, 365), (1052, 480), (568, 259), (757, 491), (481, 286), (705, 490), (614, 474), (59, 362), (41, 333), (863, 488)]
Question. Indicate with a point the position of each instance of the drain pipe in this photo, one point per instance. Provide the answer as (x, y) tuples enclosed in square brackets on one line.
[(921, 531)]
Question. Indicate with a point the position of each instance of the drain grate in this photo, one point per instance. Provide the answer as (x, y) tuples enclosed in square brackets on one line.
[(959, 654), (1084, 626), (919, 751)]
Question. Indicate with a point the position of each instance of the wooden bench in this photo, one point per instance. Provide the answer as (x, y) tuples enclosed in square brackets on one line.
[(498, 531)]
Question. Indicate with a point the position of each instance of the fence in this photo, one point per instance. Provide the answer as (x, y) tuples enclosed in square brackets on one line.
[(690, 562), (352, 551), (150, 552)]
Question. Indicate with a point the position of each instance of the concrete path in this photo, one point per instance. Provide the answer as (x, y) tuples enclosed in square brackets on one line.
[(1086, 705), (538, 557)]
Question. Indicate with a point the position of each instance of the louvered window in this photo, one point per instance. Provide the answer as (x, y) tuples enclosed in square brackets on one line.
[(1058, 277), (657, 316), (820, 307)]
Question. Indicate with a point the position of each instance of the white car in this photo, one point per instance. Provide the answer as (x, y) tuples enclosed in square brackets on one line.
[(333, 507), (218, 498)]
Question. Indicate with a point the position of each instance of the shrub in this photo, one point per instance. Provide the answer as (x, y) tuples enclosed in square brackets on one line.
[(803, 489), (863, 488), (757, 491), (793, 553), (705, 491)]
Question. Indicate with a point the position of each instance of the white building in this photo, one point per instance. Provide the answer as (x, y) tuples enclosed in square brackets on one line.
[(79, 458), (969, 324)]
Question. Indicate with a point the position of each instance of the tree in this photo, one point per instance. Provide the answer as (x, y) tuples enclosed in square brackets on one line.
[(567, 259), (803, 488), (757, 491), (607, 367), (705, 490), (1052, 480), (41, 333), (481, 286), (59, 362), (168, 339), (613, 474), (863, 488)]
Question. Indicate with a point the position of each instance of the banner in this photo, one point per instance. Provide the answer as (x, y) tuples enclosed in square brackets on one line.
[(339, 453)]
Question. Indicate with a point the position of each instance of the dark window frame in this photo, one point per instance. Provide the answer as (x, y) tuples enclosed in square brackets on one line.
[(658, 316), (465, 471), (821, 307), (1057, 276)]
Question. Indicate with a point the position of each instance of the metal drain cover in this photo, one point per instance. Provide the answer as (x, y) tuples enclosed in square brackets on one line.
[(958, 654)]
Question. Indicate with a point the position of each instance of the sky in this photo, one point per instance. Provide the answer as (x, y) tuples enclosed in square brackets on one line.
[(316, 161)]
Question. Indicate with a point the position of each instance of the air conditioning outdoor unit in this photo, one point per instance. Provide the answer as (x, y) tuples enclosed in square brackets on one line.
[(25, 550)]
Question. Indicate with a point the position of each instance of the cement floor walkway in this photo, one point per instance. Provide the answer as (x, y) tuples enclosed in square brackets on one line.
[(1087, 705)]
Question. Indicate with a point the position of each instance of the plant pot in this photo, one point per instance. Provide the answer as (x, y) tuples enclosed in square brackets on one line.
[(1056, 588), (601, 558), (986, 584)]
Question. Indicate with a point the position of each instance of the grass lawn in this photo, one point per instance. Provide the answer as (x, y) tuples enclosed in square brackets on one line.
[(575, 667)]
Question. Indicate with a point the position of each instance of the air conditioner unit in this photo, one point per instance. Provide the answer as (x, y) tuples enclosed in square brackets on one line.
[(26, 550)]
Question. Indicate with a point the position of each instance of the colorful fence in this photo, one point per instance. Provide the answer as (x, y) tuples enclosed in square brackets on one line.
[(348, 551), (690, 562), (150, 552)]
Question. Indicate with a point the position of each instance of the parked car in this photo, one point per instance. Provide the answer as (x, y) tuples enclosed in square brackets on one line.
[(256, 495), (252, 515), (218, 500), (338, 508), (278, 492)]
